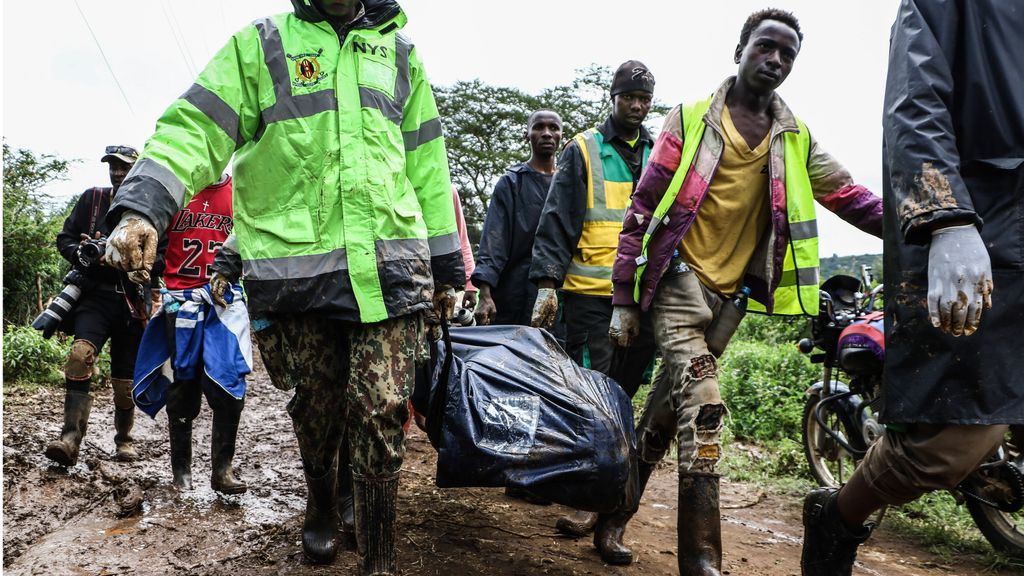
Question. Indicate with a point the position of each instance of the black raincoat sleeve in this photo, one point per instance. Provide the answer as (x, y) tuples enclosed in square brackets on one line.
[(919, 132), (496, 238), (561, 221)]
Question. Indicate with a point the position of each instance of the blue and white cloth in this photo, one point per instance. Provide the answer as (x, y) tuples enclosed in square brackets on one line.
[(207, 337)]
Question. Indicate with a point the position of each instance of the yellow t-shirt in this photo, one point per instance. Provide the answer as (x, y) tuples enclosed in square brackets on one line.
[(733, 216)]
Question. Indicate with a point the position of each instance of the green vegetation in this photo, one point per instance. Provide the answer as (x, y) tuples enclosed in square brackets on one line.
[(30, 359), (31, 220)]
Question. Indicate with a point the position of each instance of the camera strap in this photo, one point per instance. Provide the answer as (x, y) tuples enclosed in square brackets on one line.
[(97, 210)]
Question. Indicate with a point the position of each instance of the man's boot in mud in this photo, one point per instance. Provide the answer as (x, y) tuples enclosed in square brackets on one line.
[(124, 419), (830, 547), (610, 528), (222, 451), (699, 526), (577, 523), (64, 451), (345, 499), (320, 527), (375, 524), (181, 452)]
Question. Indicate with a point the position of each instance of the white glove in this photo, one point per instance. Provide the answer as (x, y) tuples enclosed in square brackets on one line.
[(545, 309), (444, 302), (131, 246), (625, 325), (959, 279)]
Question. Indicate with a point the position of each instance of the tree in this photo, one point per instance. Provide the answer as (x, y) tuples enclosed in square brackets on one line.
[(484, 129), (31, 221)]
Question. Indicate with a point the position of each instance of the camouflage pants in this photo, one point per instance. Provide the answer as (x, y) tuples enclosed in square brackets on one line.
[(347, 377)]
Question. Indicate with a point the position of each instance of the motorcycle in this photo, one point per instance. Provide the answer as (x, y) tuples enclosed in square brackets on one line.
[(839, 418)]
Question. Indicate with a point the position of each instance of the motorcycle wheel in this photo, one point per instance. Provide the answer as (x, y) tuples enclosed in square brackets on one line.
[(1004, 530), (829, 463)]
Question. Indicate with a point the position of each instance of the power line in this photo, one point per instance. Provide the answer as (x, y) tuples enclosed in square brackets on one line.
[(189, 65), (107, 62)]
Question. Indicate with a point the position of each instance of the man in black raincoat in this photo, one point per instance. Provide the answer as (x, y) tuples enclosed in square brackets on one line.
[(954, 266)]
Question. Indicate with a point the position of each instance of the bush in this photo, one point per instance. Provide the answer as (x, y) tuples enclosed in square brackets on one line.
[(30, 358), (763, 386)]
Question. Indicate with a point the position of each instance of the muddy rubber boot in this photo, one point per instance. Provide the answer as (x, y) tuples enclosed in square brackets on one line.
[(577, 523), (124, 419), (375, 524), (830, 547), (181, 452), (64, 451), (699, 526), (346, 502), (222, 453), (320, 527), (610, 528)]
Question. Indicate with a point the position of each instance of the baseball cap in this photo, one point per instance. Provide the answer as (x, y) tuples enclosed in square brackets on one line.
[(122, 153), (632, 75)]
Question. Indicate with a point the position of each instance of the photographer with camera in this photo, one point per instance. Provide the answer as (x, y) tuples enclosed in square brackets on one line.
[(109, 305)]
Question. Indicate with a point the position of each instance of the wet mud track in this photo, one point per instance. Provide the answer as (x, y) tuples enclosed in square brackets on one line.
[(103, 517)]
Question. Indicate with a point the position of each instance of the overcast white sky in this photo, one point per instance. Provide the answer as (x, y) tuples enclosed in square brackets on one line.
[(59, 96)]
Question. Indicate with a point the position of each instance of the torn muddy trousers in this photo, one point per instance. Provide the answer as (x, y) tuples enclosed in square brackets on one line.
[(375, 500), (320, 526), (830, 547), (124, 420), (610, 528), (699, 526), (77, 404), (508, 407)]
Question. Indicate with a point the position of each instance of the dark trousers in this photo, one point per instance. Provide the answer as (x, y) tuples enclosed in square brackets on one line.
[(586, 323), (104, 314)]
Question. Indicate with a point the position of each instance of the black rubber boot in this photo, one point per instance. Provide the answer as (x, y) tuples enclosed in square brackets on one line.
[(830, 547), (222, 453), (64, 451), (346, 502), (320, 528), (375, 524), (181, 452), (610, 528), (577, 523), (699, 526)]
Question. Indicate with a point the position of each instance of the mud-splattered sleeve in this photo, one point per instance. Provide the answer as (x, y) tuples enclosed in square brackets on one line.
[(920, 141), (661, 167)]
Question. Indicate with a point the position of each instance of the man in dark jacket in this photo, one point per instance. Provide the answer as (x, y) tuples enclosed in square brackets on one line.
[(111, 307), (506, 245), (576, 245), (954, 153)]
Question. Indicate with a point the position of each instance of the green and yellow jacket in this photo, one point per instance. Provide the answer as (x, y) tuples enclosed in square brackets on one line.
[(343, 200)]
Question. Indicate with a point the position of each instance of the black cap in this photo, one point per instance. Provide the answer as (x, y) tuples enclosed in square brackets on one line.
[(632, 75)]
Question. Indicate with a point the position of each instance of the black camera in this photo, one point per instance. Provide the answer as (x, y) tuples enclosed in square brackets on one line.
[(75, 283), (90, 252)]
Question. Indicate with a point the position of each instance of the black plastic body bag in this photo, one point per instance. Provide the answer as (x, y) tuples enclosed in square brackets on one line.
[(508, 407)]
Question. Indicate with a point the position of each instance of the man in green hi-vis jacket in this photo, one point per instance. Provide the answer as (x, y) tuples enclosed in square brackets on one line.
[(345, 228)]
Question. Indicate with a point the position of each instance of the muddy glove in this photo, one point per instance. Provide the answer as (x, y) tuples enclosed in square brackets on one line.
[(959, 279), (545, 309), (131, 246), (219, 284), (625, 325), (444, 302)]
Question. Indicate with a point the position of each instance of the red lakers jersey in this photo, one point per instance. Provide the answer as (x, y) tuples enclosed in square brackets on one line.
[(196, 233)]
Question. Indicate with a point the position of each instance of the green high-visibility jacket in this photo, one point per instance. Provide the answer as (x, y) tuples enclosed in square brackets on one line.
[(343, 202)]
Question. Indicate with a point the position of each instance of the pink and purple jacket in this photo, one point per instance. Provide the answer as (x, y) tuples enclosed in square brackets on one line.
[(832, 186)]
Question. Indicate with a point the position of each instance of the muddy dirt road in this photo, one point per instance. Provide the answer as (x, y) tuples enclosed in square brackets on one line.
[(103, 518)]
